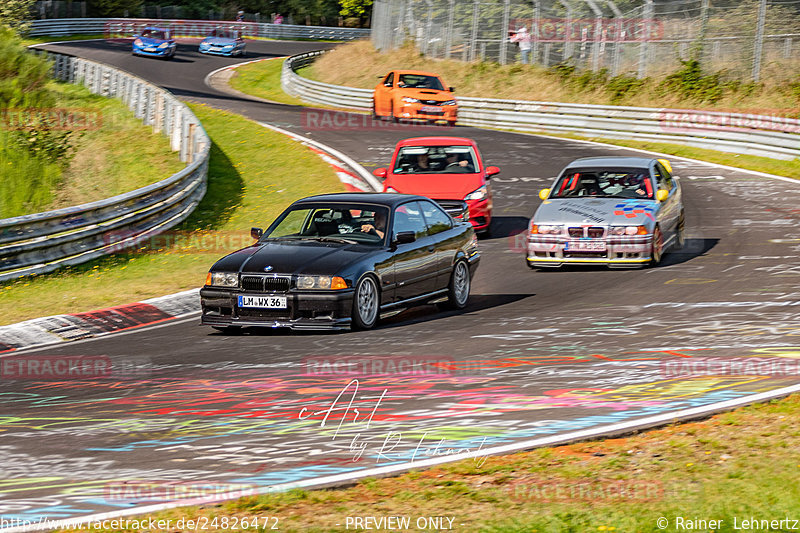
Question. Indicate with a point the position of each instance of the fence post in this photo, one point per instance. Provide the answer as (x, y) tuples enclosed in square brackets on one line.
[(473, 42), (567, 31), (647, 20), (598, 29), (449, 37), (428, 28), (617, 37), (504, 32), (758, 45), (537, 14)]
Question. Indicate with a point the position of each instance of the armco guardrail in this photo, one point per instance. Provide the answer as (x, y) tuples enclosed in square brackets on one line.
[(42, 242), (768, 136), (127, 27)]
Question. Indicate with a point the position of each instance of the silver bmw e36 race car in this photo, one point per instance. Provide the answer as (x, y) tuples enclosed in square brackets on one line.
[(614, 211)]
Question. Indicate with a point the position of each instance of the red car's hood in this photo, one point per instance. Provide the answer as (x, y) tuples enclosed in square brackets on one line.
[(435, 186)]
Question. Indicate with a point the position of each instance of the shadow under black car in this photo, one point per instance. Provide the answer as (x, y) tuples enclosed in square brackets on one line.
[(407, 317)]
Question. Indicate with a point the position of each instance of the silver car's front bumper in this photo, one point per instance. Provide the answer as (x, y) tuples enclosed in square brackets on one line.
[(553, 251)]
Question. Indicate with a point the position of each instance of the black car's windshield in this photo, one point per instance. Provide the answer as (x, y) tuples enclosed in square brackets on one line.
[(435, 160), (604, 183), (419, 81), (155, 34), (344, 223)]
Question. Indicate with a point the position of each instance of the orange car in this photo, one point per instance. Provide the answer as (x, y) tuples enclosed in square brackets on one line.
[(411, 94)]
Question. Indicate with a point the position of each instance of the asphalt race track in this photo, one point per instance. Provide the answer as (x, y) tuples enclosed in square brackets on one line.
[(535, 355)]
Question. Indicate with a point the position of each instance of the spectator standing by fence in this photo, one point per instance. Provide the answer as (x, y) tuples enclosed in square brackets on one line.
[(523, 39)]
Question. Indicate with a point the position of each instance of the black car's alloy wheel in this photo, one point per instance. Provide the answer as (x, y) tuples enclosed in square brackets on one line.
[(458, 290), (366, 301)]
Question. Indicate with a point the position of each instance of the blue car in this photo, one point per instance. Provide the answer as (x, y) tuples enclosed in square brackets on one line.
[(155, 42), (223, 42)]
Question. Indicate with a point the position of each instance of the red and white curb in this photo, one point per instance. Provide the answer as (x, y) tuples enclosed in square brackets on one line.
[(90, 324)]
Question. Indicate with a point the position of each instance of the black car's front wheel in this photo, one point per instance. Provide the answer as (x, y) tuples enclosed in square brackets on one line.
[(458, 289), (366, 302)]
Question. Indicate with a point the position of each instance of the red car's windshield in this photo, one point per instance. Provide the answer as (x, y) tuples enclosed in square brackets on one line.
[(435, 160)]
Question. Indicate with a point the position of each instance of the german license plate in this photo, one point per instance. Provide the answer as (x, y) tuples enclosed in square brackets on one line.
[(586, 246), (430, 109), (214, 49), (150, 49), (263, 302)]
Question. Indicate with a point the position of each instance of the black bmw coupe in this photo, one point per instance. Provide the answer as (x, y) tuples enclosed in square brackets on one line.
[(336, 261)]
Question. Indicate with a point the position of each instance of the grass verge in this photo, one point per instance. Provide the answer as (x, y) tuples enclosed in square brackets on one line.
[(733, 466), (358, 64), (263, 79), (119, 155), (254, 174)]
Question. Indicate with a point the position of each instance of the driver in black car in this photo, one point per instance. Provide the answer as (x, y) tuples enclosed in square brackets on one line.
[(378, 226)]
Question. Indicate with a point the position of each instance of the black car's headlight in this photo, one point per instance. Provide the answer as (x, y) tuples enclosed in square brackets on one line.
[(223, 279), (321, 282)]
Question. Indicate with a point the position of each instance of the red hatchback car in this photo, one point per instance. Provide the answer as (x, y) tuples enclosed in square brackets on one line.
[(448, 170)]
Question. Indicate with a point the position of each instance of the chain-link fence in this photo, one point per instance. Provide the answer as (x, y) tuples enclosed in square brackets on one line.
[(747, 38)]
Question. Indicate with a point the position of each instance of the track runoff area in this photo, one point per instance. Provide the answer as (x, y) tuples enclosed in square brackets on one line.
[(536, 358)]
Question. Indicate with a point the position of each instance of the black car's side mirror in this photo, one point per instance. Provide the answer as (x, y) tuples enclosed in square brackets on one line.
[(256, 233), (405, 237)]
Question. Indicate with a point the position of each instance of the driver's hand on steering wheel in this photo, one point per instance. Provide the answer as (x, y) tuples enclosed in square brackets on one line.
[(369, 228)]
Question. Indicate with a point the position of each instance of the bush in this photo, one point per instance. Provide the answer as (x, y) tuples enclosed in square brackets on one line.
[(27, 183), (23, 75), (690, 83)]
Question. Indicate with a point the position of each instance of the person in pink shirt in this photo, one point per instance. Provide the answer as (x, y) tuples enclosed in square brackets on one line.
[(523, 39)]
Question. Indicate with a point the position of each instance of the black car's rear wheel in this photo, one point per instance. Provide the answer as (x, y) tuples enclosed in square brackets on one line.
[(458, 289), (366, 302)]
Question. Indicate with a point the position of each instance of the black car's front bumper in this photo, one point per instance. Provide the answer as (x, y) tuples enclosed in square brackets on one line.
[(305, 310)]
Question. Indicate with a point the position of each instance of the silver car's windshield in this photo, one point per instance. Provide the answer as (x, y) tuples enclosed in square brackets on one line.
[(604, 183)]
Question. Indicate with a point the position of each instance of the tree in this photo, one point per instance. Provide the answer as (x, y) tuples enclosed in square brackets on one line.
[(16, 13), (356, 8), (114, 8)]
